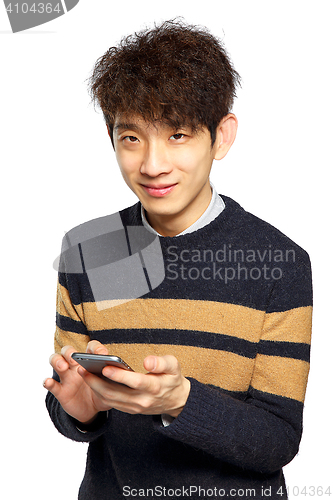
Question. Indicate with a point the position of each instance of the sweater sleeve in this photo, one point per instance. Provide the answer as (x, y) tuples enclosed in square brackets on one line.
[(262, 431), (69, 427)]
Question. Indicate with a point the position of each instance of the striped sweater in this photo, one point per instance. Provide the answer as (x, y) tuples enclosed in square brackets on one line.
[(234, 306)]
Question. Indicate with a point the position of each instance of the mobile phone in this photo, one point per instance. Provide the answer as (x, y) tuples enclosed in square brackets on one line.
[(94, 363)]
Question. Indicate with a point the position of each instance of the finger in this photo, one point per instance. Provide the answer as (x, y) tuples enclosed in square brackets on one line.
[(162, 364), (95, 347), (53, 386), (99, 385), (58, 363), (92, 380), (85, 374), (67, 352), (131, 379)]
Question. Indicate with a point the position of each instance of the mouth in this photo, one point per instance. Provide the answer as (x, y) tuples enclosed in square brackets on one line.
[(158, 191)]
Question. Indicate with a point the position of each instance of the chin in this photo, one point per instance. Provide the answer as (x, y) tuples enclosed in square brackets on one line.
[(162, 207)]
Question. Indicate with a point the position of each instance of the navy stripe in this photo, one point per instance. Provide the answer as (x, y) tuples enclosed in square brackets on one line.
[(70, 325), (192, 338), (81, 257), (285, 349), (241, 395)]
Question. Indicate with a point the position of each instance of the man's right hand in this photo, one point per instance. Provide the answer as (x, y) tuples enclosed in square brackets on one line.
[(74, 395)]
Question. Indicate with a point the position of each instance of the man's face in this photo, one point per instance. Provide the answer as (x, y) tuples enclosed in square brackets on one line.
[(168, 169)]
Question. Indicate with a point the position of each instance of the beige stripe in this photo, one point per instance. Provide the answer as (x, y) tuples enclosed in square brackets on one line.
[(229, 319), (223, 369), (281, 376), (77, 340), (275, 375), (181, 314), (289, 326), (65, 306)]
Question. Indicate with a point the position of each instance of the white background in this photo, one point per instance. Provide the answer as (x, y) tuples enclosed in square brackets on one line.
[(58, 170)]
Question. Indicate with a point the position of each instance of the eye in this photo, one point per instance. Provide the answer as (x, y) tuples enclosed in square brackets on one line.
[(177, 136), (130, 138)]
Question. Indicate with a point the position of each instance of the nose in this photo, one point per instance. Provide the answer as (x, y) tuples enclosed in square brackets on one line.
[(155, 161)]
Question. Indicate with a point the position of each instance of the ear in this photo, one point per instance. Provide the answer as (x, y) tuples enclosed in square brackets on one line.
[(225, 135)]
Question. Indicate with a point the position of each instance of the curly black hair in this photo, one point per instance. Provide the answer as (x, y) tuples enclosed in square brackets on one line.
[(175, 73)]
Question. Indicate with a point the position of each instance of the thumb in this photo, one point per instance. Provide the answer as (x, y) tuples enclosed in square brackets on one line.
[(162, 364)]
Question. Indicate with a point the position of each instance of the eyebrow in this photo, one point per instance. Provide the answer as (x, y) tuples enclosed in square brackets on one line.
[(136, 128), (126, 126)]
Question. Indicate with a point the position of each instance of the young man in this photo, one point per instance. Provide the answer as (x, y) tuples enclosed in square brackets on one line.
[(220, 343)]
